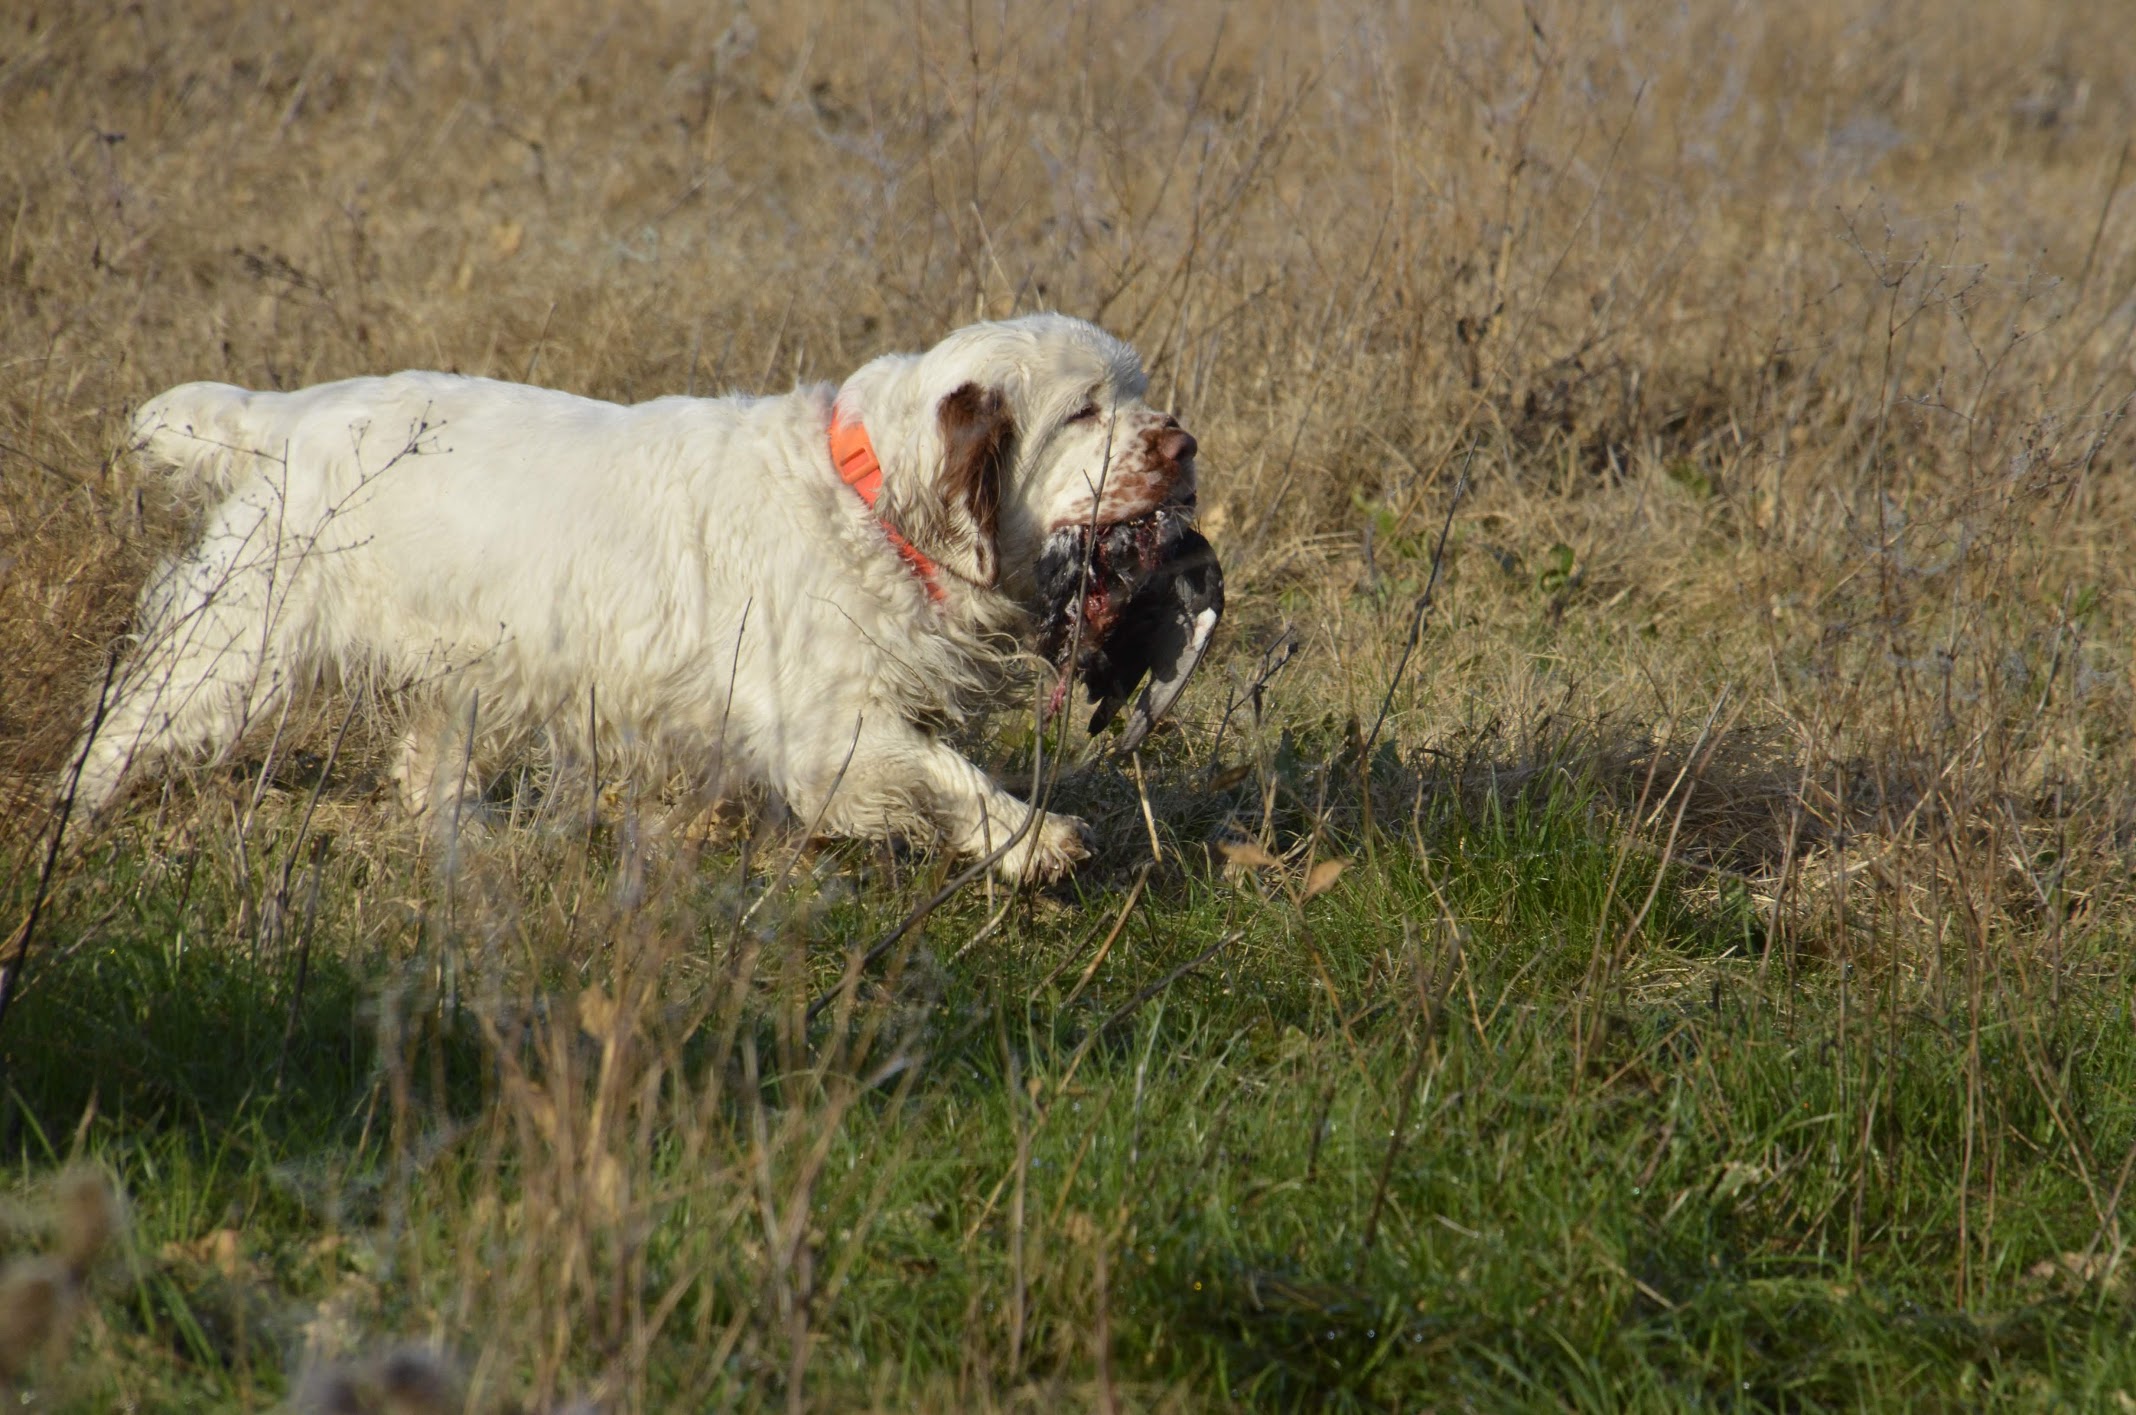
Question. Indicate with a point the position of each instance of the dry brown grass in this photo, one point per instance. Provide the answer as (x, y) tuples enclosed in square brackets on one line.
[(1806, 332), (1792, 344)]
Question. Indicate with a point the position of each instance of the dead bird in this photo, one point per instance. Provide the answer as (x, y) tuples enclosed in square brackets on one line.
[(1138, 599)]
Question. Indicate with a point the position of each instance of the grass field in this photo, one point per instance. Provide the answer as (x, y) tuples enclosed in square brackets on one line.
[(1687, 964)]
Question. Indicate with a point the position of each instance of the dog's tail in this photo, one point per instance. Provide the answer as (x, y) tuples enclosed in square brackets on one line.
[(202, 436)]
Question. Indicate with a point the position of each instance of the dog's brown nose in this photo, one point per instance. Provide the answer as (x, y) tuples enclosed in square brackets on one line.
[(1176, 444)]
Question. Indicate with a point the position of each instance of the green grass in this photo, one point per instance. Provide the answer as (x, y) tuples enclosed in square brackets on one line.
[(1442, 1136)]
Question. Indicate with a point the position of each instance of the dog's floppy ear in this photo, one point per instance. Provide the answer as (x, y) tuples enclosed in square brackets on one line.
[(978, 438)]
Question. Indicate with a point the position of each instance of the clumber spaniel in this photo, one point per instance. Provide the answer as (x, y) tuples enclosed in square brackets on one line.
[(807, 588)]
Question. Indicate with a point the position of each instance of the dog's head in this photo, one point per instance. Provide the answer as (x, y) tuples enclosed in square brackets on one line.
[(1006, 433)]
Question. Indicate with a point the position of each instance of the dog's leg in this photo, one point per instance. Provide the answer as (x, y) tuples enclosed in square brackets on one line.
[(439, 774), (206, 666), (978, 818), (898, 779)]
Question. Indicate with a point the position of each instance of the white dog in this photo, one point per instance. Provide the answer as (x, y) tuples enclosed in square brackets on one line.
[(693, 581)]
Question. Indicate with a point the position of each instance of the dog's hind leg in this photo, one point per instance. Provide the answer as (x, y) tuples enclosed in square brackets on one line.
[(206, 664), (201, 672), (449, 758)]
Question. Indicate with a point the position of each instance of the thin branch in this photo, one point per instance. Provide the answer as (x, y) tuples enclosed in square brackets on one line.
[(1423, 606), (11, 970)]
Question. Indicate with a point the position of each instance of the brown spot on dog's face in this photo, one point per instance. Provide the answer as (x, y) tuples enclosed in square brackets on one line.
[(978, 439)]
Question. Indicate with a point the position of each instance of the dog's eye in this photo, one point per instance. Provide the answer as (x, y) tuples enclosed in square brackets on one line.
[(1084, 414)]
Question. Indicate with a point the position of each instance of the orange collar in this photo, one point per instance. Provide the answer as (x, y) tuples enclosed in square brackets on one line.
[(854, 456)]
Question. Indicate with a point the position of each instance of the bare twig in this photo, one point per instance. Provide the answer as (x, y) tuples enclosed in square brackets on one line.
[(1423, 607), (289, 860), (18, 957), (1429, 1001)]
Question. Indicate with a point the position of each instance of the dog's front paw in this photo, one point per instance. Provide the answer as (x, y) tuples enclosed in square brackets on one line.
[(1051, 851)]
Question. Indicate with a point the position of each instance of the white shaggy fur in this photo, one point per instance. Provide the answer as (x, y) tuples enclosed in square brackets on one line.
[(688, 573)]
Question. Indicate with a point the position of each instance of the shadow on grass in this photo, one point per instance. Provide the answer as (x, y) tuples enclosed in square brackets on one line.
[(145, 1015)]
